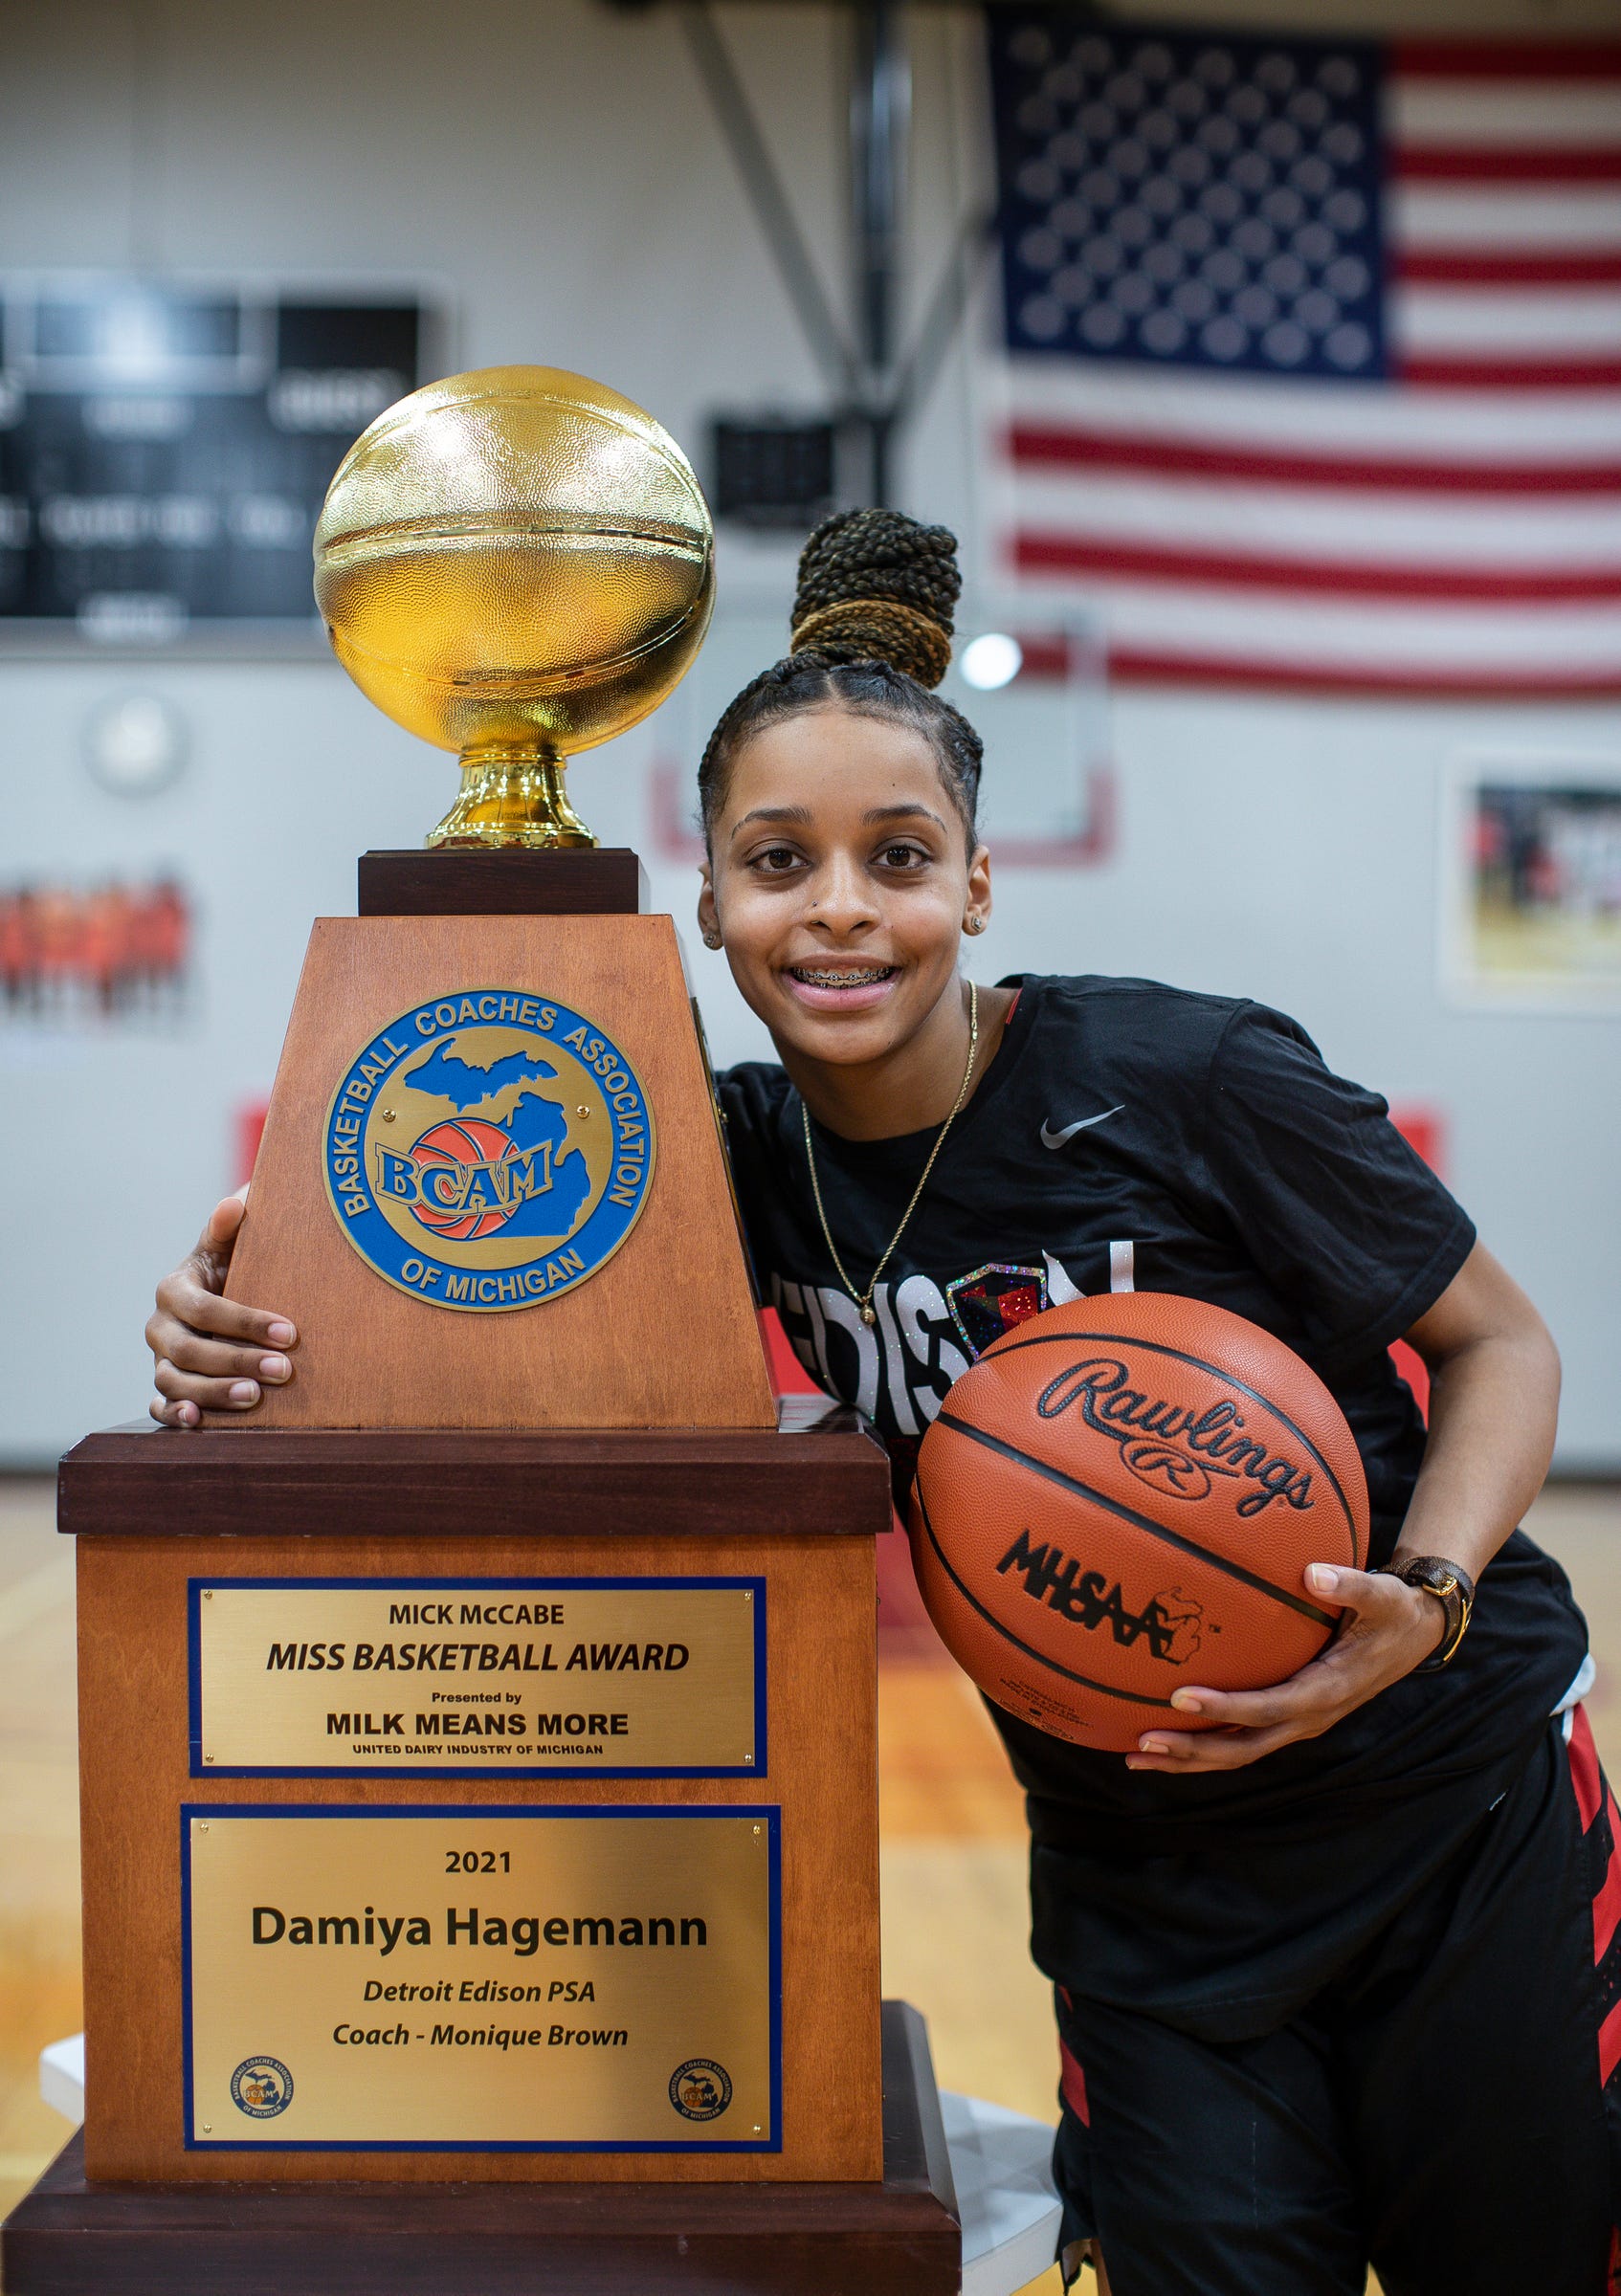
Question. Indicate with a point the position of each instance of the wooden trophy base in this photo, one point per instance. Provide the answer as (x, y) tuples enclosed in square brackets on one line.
[(183, 1740), (901, 2238)]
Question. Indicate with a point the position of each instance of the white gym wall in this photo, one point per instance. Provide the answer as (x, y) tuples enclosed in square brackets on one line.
[(556, 169)]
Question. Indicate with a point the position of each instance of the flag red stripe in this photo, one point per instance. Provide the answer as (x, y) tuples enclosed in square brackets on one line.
[(1138, 665), (1509, 60), (1464, 267), (1343, 577), (1506, 163), (1053, 447), (1510, 374), (1586, 1777)]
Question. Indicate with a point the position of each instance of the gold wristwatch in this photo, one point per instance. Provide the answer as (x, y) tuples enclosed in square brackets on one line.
[(1455, 1591)]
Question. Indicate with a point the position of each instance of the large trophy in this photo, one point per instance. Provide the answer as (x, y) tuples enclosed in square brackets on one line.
[(477, 1746)]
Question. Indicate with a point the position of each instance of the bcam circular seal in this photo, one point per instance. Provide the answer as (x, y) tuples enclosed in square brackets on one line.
[(488, 1150), (261, 2086), (701, 2089)]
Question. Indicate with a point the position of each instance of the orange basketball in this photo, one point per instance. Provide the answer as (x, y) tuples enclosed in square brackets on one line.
[(1120, 1497)]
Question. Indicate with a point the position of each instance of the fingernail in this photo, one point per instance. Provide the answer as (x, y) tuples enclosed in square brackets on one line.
[(1323, 1580), (281, 1335), (244, 1391), (1155, 1746), (274, 1367), (1186, 1703), (189, 1415)]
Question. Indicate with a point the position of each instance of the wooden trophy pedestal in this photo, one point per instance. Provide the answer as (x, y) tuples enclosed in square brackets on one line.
[(900, 2237), (220, 1576), (660, 1331)]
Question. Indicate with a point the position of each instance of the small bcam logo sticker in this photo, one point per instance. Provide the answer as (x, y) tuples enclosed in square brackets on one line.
[(488, 1150), (261, 2086), (701, 2089)]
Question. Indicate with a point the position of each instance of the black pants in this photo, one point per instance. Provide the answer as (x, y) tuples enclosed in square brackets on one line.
[(1448, 2108)]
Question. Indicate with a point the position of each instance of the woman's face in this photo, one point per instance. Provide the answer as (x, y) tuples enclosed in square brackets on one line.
[(839, 880)]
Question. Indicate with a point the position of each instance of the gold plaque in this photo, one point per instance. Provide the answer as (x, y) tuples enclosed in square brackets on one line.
[(599, 1677), (476, 1979)]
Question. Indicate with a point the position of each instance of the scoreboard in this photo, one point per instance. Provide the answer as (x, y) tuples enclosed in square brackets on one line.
[(165, 449)]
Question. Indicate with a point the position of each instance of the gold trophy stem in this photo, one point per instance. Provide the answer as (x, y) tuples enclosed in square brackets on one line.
[(511, 793)]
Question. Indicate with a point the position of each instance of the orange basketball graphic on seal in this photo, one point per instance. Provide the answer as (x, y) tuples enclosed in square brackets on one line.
[(1120, 1497), (460, 1162)]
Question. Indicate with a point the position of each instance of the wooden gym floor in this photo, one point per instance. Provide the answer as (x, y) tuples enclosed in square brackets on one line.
[(953, 1830)]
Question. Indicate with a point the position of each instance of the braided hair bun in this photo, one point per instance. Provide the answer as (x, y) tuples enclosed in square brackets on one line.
[(872, 635), (875, 586)]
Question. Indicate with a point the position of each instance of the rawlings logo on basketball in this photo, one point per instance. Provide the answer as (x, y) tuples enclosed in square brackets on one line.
[(1175, 1451), (488, 1150), (1170, 1624)]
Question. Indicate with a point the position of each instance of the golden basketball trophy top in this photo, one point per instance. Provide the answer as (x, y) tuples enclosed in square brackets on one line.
[(515, 563)]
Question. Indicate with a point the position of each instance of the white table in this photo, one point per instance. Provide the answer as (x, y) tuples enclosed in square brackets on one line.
[(1001, 2162), (1003, 2168)]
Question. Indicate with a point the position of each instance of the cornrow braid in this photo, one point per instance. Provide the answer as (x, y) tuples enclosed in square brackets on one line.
[(872, 627)]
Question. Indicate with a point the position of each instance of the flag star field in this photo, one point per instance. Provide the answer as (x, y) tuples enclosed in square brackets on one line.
[(1191, 200)]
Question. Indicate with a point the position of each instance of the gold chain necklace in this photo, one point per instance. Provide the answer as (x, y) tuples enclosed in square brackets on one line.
[(864, 1299)]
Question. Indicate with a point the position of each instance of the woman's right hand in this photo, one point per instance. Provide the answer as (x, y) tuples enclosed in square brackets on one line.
[(212, 1355)]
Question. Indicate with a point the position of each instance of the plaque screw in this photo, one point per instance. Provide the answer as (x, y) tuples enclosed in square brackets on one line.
[(757, 1829), (747, 1757), (387, 1115), (209, 1758), (582, 1111), (758, 2130), (207, 1594), (203, 1826), (209, 2128)]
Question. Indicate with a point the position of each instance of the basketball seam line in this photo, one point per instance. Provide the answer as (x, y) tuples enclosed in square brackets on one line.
[(1158, 1347), (1086, 1682), (1141, 1522)]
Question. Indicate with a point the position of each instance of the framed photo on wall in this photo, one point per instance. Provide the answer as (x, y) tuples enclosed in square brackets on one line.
[(1531, 880)]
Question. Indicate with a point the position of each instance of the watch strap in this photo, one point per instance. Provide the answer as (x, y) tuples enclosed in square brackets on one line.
[(1454, 1589)]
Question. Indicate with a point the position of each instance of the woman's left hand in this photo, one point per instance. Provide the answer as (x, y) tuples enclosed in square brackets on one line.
[(1387, 1629)]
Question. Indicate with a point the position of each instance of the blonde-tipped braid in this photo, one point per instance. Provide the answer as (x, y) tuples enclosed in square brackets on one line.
[(861, 629)]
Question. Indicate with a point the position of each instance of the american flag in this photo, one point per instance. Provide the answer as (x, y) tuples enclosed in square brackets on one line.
[(1311, 359)]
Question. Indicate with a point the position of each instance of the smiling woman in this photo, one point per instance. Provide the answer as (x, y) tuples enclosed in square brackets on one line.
[(842, 908), (1302, 1943)]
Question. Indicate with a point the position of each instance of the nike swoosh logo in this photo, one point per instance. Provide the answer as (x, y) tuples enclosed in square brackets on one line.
[(1055, 1139)]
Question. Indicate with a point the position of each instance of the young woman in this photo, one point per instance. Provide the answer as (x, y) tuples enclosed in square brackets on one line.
[(1335, 1978)]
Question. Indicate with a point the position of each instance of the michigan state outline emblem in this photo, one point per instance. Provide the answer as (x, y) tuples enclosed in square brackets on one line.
[(488, 1150)]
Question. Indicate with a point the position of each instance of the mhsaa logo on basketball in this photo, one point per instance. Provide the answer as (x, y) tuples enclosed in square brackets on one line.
[(488, 1150)]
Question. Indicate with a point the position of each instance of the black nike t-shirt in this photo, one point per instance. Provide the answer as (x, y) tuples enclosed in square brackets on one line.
[(1132, 1136)]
